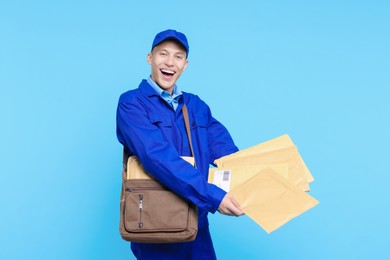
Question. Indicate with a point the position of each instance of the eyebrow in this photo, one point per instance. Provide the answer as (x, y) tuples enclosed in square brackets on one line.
[(178, 52)]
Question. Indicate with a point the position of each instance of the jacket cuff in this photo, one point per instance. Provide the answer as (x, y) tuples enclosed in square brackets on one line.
[(216, 196)]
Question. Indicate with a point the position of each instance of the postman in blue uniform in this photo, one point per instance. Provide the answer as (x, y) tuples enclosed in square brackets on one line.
[(150, 125)]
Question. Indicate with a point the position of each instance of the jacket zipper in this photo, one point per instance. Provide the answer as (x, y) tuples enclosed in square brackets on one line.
[(140, 198)]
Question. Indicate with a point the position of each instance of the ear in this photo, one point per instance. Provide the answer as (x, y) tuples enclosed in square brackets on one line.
[(149, 58), (185, 65)]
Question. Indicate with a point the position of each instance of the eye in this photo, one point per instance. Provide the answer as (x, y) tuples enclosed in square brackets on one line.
[(163, 53), (179, 57)]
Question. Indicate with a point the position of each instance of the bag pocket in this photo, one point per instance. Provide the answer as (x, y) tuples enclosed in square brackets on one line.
[(150, 207)]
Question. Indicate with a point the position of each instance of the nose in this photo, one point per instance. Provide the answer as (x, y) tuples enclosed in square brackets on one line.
[(169, 60)]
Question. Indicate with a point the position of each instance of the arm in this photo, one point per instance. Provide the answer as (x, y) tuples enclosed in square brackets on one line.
[(145, 140), (221, 144), (220, 140)]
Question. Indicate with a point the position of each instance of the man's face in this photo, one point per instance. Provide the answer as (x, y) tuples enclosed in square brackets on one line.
[(168, 61)]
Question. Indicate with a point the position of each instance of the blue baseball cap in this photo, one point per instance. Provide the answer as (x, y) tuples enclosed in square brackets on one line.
[(171, 34)]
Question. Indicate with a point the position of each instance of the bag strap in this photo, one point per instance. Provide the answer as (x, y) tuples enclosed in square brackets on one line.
[(188, 129), (187, 124)]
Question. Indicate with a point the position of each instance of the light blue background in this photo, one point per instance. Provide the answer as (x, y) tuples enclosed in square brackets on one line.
[(317, 70)]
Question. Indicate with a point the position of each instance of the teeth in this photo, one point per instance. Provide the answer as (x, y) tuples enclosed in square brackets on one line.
[(168, 72)]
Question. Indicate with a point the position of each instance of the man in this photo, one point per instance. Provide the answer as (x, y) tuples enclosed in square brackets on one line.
[(150, 125)]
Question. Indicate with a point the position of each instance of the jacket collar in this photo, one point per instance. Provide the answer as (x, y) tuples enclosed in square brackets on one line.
[(146, 89)]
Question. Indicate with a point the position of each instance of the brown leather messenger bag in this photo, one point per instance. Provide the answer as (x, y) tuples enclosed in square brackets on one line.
[(150, 212)]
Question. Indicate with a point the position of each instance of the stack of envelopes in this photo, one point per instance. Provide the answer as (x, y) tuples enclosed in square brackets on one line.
[(269, 180)]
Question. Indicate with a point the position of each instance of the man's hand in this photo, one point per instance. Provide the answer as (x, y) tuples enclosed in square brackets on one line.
[(229, 206)]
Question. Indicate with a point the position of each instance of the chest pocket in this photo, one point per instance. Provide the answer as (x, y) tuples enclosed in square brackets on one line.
[(160, 120), (199, 121), (199, 124), (167, 127)]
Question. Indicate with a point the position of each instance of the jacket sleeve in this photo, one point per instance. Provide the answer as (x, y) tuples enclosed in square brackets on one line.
[(160, 158), (220, 142)]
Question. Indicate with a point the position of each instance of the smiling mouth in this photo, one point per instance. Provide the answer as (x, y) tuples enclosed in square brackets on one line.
[(168, 74)]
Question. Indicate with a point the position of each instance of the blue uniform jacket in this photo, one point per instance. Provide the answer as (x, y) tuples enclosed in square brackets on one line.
[(153, 131)]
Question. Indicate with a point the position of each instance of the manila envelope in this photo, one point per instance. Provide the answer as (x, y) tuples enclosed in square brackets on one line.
[(278, 143), (289, 156), (240, 174), (135, 170), (271, 201)]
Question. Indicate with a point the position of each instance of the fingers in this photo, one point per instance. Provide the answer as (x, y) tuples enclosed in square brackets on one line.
[(235, 203), (235, 207), (229, 206)]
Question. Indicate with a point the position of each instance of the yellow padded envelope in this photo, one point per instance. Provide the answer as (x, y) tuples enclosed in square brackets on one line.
[(270, 200), (289, 156), (135, 170), (279, 143), (240, 174)]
